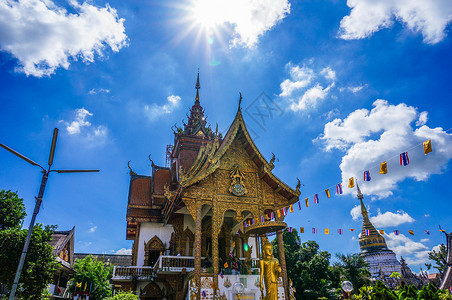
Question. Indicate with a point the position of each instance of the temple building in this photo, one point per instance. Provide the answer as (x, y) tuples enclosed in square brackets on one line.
[(186, 219), (382, 261)]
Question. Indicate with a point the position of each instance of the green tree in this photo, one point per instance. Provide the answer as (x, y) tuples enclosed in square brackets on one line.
[(39, 264), (94, 275), (12, 210), (353, 268), (308, 267), (381, 292), (123, 296), (439, 257)]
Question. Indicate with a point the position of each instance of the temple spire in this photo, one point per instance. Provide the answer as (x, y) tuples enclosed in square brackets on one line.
[(370, 240), (197, 87)]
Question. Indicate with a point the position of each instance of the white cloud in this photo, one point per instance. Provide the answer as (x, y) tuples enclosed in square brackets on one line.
[(388, 219), (80, 116), (369, 16), (304, 89), (356, 212), (124, 251), (353, 89), (99, 91), (44, 37), (92, 229), (93, 135), (154, 111), (331, 114), (371, 137), (415, 253), (422, 119), (404, 246), (249, 19), (328, 73)]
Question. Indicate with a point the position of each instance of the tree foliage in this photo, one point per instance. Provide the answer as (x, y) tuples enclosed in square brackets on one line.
[(39, 264), (123, 296), (95, 275), (12, 210), (439, 257), (353, 268)]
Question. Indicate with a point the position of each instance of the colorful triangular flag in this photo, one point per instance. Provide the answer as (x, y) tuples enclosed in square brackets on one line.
[(307, 202), (291, 208), (411, 232), (404, 160), (339, 188), (384, 168), (301, 229), (381, 231), (351, 182), (327, 192), (366, 175), (327, 231), (316, 198), (427, 146)]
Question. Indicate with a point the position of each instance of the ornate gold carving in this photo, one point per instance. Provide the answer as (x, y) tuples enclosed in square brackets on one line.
[(237, 186), (272, 165), (206, 283), (298, 186), (227, 283)]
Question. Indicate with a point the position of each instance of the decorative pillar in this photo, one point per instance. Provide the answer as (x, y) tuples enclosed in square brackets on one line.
[(217, 221), (198, 232), (282, 261)]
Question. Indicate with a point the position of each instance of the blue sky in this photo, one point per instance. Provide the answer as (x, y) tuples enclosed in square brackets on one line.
[(353, 84)]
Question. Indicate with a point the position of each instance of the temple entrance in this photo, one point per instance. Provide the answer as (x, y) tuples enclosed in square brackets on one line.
[(152, 251)]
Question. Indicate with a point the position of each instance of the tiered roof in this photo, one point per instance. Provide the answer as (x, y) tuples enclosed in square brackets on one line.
[(373, 242)]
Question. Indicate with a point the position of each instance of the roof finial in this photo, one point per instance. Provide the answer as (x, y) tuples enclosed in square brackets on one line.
[(197, 87), (131, 171), (360, 195), (240, 101)]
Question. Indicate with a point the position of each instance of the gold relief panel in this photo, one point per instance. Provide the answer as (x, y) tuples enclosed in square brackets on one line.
[(268, 194), (236, 154), (224, 181)]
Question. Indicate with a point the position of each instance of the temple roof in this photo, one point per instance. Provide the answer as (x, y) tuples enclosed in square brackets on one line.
[(373, 242), (197, 124), (209, 156)]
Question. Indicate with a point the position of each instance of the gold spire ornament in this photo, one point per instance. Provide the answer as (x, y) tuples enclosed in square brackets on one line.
[(270, 271)]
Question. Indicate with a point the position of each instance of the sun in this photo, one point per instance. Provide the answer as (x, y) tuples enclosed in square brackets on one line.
[(208, 13)]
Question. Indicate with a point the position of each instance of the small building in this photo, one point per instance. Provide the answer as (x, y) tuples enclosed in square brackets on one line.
[(63, 248)]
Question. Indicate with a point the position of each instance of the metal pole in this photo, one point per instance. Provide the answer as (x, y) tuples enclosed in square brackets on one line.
[(45, 176)]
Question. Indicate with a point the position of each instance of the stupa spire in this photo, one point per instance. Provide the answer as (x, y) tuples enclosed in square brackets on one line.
[(370, 240), (197, 87)]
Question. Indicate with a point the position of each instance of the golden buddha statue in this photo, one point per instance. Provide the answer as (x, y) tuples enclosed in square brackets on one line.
[(270, 271)]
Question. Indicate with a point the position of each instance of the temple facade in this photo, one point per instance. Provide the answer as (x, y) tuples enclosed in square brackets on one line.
[(186, 219), (382, 261)]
